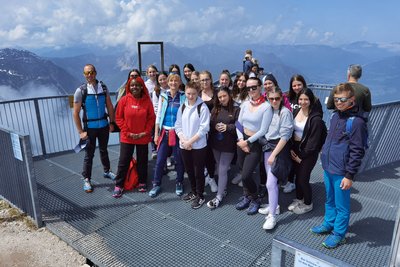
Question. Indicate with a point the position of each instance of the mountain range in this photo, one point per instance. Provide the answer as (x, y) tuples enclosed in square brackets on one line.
[(61, 70)]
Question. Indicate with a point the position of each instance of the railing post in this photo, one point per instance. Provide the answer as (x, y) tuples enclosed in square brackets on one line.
[(39, 122)]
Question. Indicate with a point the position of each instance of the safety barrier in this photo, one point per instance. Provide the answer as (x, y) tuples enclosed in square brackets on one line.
[(47, 120), (17, 180), (304, 256)]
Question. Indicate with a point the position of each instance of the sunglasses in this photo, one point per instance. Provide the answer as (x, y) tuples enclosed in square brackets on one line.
[(274, 98), (204, 80), (341, 99), (134, 76), (252, 88), (91, 72)]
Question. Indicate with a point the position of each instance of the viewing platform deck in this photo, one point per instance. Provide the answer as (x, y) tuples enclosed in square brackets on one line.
[(137, 230)]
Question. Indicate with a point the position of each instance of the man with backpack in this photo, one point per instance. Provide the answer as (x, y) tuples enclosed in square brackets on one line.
[(94, 99)]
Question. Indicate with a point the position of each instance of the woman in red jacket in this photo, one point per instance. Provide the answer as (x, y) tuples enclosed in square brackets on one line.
[(135, 117)]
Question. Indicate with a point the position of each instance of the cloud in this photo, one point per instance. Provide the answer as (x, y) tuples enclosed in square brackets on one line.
[(290, 35), (312, 34), (327, 37)]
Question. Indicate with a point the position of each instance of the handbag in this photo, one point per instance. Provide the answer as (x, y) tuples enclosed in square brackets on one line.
[(132, 177)]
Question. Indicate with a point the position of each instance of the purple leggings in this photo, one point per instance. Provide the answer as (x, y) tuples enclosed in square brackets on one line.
[(272, 186)]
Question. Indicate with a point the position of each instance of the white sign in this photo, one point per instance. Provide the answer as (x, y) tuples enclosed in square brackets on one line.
[(306, 260), (16, 146)]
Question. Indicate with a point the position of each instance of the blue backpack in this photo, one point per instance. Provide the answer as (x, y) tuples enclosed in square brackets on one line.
[(349, 127)]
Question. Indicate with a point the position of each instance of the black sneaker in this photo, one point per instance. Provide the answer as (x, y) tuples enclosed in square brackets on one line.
[(189, 197), (197, 202)]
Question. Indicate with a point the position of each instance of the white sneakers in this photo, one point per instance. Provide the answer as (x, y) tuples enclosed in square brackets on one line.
[(237, 179), (288, 187), (302, 208), (270, 222), (211, 182), (295, 203), (265, 209)]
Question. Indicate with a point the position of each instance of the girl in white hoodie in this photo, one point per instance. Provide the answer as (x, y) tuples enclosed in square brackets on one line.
[(192, 125)]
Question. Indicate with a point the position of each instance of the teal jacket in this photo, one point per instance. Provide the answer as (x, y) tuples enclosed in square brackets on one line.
[(163, 104)]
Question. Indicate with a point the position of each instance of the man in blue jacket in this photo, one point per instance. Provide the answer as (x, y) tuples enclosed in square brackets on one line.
[(341, 158)]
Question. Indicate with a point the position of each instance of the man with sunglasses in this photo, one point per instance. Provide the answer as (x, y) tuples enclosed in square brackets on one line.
[(362, 93), (94, 99), (341, 158)]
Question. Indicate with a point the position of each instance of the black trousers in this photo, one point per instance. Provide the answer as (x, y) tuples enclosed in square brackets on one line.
[(248, 163), (125, 155), (194, 161), (101, 134), (303, 174)]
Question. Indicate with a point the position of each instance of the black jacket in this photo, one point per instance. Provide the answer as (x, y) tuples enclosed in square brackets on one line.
[(313, 135)]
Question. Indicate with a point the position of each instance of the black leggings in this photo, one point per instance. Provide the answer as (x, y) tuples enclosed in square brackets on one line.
[(303, 174), (247, 163), (125, 155)]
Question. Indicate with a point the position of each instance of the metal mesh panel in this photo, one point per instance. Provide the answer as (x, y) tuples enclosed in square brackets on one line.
[(17, 180)]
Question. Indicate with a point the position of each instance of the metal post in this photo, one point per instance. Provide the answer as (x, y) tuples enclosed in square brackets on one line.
[(39, 122)]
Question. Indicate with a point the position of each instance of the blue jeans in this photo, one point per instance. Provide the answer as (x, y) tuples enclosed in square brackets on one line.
[(163, 151), (337, 205)]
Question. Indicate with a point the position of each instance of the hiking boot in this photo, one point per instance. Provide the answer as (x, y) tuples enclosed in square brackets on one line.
[(179, 189), (243, 203), (87, 186), (212, 183), (142, 188), (197, 202), (270, 222), (214, 203), (302, 208), (333, 241), (109, 175), (155, 191), (295, 203), (117, 193), (189, 197), (253, 207), (320, 230), (264, 209), (288, 187), (237, 179)]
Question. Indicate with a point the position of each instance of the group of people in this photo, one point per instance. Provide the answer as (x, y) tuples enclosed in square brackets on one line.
[(248, 121)]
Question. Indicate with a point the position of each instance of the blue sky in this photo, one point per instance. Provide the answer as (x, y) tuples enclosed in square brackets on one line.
[(109, 23)]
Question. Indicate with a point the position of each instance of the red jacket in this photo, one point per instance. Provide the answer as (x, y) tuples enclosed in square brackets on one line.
[(135, 115)]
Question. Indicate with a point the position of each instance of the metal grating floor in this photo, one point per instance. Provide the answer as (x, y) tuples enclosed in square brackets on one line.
[(136, 230)]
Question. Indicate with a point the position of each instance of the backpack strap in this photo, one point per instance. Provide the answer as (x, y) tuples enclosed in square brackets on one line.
[(198, 108), (84, 90), (349, 125)]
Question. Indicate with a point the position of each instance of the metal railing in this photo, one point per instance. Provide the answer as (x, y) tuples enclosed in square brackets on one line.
[(304, 256), (17, 177), (48, 120)]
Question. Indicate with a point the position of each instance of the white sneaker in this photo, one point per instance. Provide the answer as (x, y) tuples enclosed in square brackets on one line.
[(212, 183), (240, 184), (237, 179), (303, 208), (270, 222), (289, 187), (295, 203), (265, 209), (169, 162)]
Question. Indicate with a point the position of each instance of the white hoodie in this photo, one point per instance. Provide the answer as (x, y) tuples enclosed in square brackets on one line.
[(189, 123)]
